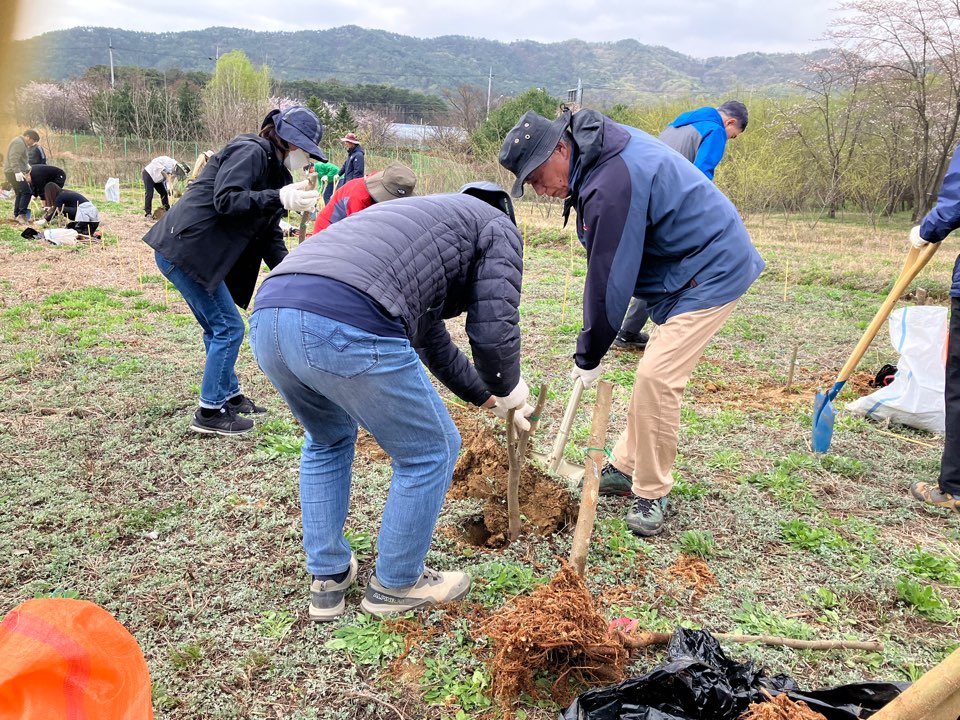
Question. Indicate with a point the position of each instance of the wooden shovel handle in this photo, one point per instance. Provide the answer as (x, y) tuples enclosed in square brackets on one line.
[(916, 259), (556, 453)]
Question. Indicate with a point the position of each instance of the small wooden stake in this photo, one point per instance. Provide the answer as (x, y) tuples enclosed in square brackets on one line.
[(591, 477), (516, 455), (793, 367)]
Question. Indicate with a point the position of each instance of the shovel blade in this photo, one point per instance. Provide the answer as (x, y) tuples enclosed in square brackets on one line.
[(823, 415)]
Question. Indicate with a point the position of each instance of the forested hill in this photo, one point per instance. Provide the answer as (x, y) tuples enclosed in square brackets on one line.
[(624, 70)]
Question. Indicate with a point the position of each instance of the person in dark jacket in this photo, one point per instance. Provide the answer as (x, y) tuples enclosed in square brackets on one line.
[(938, 223), (353, 166), (211, 244), (656, 228), (40, 176), (82, 215), (701, 137), (338, 327), (16, 165), (37, 155)]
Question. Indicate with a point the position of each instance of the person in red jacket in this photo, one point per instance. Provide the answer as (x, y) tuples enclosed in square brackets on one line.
[(394, 182)]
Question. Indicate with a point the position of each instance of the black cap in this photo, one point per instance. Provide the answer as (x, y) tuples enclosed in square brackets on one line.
[(492, 194), (529, 144)]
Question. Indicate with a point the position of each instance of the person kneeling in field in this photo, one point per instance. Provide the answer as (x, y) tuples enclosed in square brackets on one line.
[(82, 215), (211, 244), (655, 228), (338, 327)]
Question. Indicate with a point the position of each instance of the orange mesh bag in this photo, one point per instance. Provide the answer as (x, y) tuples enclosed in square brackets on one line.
[(70, 659)]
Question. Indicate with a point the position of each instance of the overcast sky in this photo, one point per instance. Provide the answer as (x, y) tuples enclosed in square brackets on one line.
[(697, 27)]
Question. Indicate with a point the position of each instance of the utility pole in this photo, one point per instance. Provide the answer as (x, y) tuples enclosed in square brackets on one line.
[(110, 46), (489, 89)]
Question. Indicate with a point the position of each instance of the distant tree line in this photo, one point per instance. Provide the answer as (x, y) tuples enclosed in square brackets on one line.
[(169, 104)]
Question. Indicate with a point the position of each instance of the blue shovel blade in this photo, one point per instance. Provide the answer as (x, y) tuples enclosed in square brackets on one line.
[(823, 415)]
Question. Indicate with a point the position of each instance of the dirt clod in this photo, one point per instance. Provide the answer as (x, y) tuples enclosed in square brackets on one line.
[(555, 629), (481, 472)]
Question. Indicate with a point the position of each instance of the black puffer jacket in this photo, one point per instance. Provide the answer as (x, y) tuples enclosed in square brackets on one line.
[(227, 222), (425, 259)]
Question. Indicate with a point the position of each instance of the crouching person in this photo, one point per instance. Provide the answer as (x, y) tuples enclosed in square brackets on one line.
[(81, 214), (337, 328)]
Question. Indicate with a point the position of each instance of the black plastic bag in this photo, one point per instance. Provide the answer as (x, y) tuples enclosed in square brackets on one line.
[(699, 682)]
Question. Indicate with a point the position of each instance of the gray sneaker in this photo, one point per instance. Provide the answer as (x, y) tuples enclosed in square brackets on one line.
[(615, 482), (432, 588), (646, 517), (326, 594)]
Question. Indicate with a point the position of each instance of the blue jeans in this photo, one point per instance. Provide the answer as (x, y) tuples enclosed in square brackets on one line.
[(222, 333), (334, 376)]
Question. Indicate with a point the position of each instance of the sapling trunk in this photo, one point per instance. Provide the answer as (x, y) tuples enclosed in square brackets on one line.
[(591, 477)]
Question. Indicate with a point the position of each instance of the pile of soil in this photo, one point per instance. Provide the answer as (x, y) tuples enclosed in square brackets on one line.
[(693, 572), (556, 629), (781, 708), (481, 472)]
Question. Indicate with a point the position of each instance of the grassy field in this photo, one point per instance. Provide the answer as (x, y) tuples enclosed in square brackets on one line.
[(193, 542)]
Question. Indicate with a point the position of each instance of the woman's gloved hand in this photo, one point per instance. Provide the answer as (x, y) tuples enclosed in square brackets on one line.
[(298, 197)]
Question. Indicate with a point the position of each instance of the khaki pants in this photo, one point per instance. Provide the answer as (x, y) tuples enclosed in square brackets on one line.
[(648, 446)]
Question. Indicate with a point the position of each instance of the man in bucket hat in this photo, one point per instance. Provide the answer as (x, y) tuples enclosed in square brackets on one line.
[(654, 227), (211, 245), (352, 167), (392, 183)]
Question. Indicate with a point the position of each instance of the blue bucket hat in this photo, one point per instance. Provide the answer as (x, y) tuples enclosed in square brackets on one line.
[(299, 126)]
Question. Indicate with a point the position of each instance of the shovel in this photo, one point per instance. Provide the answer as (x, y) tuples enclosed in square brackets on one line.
[(823, 413), (554, 460), (312, 185)]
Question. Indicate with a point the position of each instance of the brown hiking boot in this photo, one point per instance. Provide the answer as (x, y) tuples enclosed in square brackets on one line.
[(932, 495), (432, 588)]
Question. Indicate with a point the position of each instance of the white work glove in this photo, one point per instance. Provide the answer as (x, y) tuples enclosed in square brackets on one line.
[(915, 239), (587, 377), (297, 197), (41, 222), (18, 176), (516, 400)]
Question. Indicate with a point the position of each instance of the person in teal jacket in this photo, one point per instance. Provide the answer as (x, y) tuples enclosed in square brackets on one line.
[(329, 171), (701, 137)]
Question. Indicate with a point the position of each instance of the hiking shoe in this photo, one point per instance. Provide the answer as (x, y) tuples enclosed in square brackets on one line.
[(932, 495), (632, 342), (326, 594), (613, 482), (432, 588), (646, 517), (226, 422), (245, 406)]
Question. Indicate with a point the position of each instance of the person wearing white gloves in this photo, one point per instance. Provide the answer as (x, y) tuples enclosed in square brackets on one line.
[(212, 242), (655, 228), (346, 328), (938, 223)]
